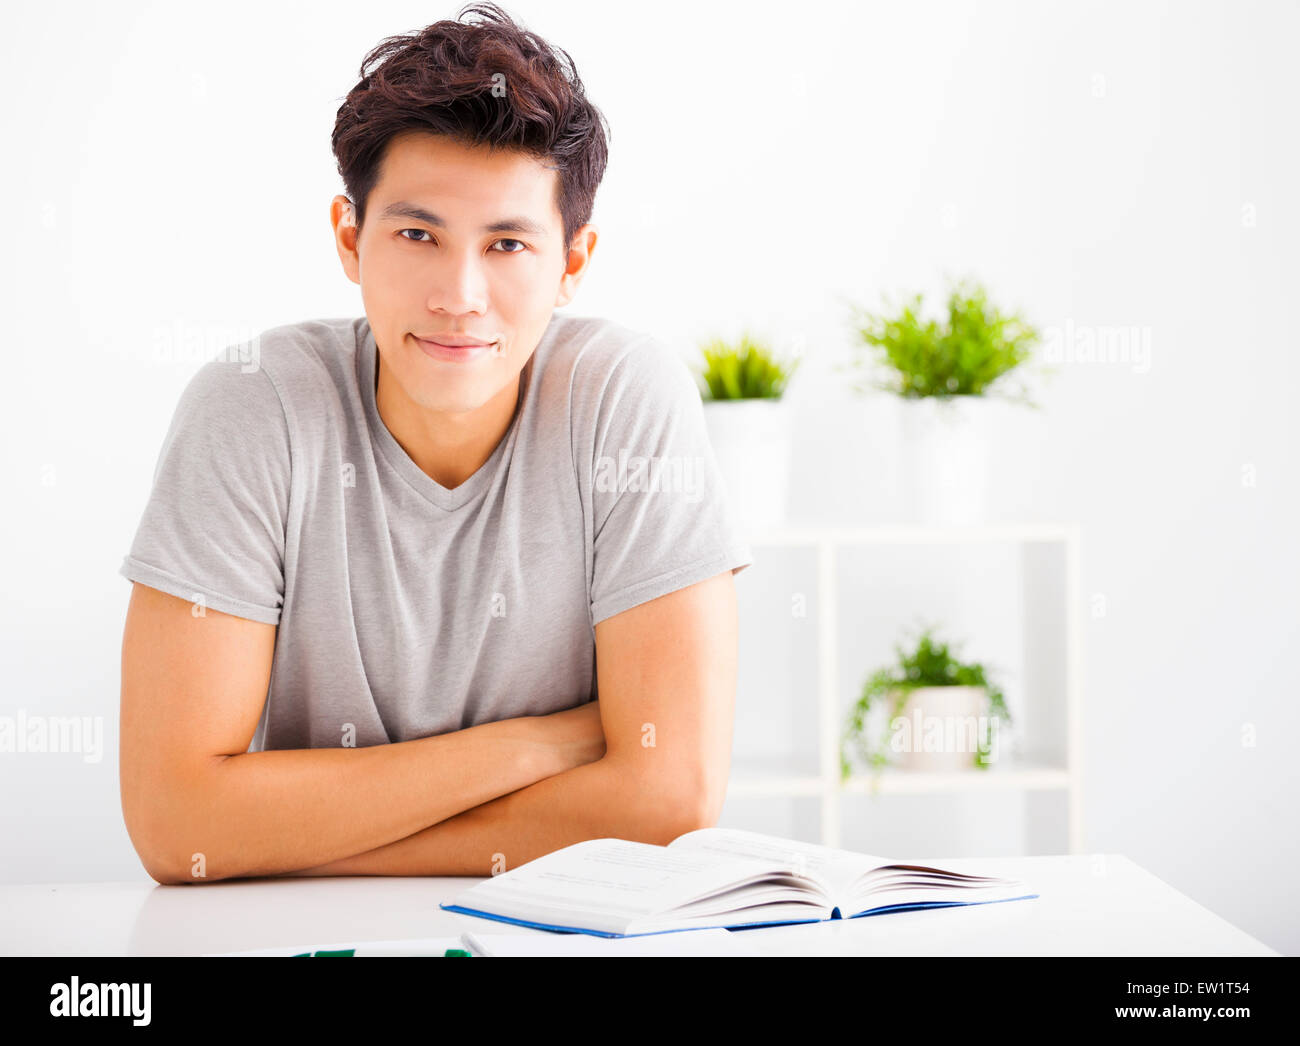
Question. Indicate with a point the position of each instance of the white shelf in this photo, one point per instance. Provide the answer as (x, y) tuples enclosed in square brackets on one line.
[(776, 777), (995, 778), (899, 535), (753, 779)]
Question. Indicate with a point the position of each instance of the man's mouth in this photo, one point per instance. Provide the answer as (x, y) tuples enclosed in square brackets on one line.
[(455, 341), (454, 353)]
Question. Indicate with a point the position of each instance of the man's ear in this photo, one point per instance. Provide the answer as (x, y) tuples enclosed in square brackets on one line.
[(343, 217), (579, 258)]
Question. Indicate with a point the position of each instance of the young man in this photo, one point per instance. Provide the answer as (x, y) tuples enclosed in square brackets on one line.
[(446, 587)]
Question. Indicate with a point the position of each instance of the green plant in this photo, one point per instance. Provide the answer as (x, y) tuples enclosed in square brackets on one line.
[(745, 370), (971, 351), (930, 664)]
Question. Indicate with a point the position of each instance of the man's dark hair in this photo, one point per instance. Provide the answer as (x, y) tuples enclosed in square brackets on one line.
[(489, 83)]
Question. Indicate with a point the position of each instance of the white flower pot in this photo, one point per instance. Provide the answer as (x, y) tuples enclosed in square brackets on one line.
[(944, 460), (940, 729), (751, 443)]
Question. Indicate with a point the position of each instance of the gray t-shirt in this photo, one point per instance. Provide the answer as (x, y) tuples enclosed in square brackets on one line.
[(406, 609)]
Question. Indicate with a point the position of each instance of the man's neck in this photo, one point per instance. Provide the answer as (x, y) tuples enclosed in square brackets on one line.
[(448, 448)]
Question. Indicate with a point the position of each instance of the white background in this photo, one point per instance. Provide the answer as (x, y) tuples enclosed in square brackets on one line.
[(167, 171)]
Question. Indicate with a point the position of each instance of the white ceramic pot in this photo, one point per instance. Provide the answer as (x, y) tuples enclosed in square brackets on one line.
[(751, 443), (944, 460), (940, 728)]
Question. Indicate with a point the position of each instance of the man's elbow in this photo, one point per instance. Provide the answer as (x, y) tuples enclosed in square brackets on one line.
[(165, 869), (143, 835), (671, 812), (169, 865), (163, 872)]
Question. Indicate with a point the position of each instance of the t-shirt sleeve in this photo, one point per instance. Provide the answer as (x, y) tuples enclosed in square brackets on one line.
[(660, 514), (213, 529)]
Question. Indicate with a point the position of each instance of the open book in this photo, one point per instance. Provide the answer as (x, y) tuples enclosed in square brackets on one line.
[(714, 877)]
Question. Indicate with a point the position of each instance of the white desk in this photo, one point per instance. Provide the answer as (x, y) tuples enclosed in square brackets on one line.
[(1088, 905)]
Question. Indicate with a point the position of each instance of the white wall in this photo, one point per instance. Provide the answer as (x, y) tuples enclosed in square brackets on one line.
[(168, 177)]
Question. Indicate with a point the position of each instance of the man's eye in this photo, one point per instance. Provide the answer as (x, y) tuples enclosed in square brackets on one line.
[(422, 232)]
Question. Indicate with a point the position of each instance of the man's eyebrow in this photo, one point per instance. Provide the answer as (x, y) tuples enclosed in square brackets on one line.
[(402, 209)]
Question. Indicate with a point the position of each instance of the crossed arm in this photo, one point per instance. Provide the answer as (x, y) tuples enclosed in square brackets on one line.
[(666, 676)]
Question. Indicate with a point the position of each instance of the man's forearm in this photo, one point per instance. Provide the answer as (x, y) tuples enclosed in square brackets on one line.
[(262, 813), (606, 798)]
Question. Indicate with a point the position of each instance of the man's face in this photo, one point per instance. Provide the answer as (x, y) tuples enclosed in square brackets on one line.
[(459, 241)]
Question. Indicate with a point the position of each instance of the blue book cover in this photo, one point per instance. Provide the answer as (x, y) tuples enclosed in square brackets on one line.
[(733, 926)]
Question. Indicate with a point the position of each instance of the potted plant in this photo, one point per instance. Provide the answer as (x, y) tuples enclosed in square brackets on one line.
[(942, 713), (748, 422), (944, 372)]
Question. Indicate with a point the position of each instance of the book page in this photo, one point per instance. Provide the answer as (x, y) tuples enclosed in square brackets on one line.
[(857, 882), (836, 869), (606, 884), (933, 889)]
